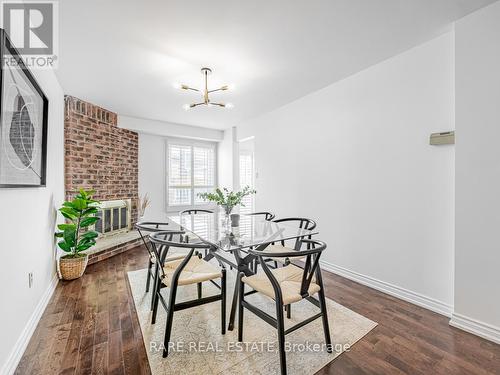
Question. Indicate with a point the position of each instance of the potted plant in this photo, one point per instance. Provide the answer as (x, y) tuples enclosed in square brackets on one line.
[(227, 200), (75, 234)]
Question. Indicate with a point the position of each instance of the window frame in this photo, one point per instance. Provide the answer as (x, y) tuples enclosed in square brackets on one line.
[(250, 153), (192, 143)]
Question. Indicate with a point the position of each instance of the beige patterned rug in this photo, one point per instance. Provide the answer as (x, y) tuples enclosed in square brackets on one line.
[(201, 349)]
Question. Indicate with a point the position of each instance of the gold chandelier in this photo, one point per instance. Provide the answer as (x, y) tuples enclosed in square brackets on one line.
[(205, 92)]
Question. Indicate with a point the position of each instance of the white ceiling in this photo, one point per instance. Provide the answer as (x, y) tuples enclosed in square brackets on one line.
[(125, 54)]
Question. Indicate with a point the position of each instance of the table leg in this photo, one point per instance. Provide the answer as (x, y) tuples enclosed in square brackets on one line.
[(234, 305), (245, 265)]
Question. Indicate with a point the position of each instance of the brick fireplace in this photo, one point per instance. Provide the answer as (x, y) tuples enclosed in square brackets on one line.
[(104, 157)]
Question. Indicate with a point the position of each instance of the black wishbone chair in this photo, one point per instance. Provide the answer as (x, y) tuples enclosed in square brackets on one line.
[(287, 285), (302, 223), (266, 215), (191, 269), (145, 228), (193, 211)]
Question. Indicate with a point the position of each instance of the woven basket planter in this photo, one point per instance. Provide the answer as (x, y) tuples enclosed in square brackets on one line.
[(72, 268)]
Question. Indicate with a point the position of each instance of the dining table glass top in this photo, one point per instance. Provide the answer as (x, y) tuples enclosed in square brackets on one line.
[(252, 231)]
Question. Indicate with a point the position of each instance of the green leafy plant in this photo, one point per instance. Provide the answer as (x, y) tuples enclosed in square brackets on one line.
[(80, 214), (227, 199)]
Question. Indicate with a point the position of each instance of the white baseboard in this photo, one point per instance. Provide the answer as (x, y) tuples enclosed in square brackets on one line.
[(393, 290), (17, 352), (476, 327)]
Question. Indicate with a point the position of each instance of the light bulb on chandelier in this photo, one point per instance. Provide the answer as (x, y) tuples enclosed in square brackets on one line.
[(205, 92)]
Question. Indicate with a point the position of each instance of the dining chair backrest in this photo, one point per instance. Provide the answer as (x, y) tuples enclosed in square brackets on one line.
[(302, 223), (146, 227), (310, 269), (195, 211), (266, 215), (162, 242)]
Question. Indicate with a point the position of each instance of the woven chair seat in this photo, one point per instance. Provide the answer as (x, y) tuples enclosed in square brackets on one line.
[(174, 254), (277, 249), (196, 271), (289, 279)]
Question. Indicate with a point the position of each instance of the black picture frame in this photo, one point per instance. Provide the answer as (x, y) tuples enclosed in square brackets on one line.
[(6, 47)]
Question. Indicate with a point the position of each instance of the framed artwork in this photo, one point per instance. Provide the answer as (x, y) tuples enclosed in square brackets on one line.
[(23, 122)]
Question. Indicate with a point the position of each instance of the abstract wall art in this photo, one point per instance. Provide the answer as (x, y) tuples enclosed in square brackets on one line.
[(23, 122)]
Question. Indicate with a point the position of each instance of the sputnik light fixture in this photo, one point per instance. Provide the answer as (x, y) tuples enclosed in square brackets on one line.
[(205, 92)]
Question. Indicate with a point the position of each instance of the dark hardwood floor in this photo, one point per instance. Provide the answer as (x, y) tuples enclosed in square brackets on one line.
[(90, 326)]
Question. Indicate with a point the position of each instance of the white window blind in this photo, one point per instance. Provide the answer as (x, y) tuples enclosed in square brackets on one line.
[(247, 179), (191, 170)]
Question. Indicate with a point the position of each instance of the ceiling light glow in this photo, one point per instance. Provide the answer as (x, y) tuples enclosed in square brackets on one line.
[(205, 92)]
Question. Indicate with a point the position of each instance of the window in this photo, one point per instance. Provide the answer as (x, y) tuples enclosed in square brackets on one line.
[(191, 168), (247, 179)]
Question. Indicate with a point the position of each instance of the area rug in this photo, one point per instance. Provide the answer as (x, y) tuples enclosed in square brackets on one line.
[(199, 347)]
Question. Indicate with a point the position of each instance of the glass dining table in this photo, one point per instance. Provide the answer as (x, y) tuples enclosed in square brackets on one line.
[(232, 243)]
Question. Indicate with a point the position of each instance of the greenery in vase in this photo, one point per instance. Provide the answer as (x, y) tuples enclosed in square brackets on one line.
[(227, 199), (80, 214)]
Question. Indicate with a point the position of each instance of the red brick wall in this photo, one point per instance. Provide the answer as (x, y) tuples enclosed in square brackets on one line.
[(98, 154)]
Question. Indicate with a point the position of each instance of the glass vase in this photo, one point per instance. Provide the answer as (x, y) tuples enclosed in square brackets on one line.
[(226, 221)]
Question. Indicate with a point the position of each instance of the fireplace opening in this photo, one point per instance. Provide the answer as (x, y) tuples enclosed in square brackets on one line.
[(114, 217)]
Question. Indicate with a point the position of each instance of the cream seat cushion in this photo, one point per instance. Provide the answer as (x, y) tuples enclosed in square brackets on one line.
[(196, 271), (281, 249), (289, 278), (174, 253)]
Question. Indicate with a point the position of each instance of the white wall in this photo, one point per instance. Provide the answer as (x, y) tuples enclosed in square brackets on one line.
[(152, 166), (152, 158), (477, 264), (355, 156), (27, 224), (168, 129), (225, 159)]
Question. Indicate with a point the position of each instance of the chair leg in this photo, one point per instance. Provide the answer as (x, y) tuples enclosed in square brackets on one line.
[(156, 298), (256, 265), (170, 318), (153, 294), (148, 281), (199, 290), (324, 317), (281, 336), (288, 308), (241, 287), (223, 302)]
